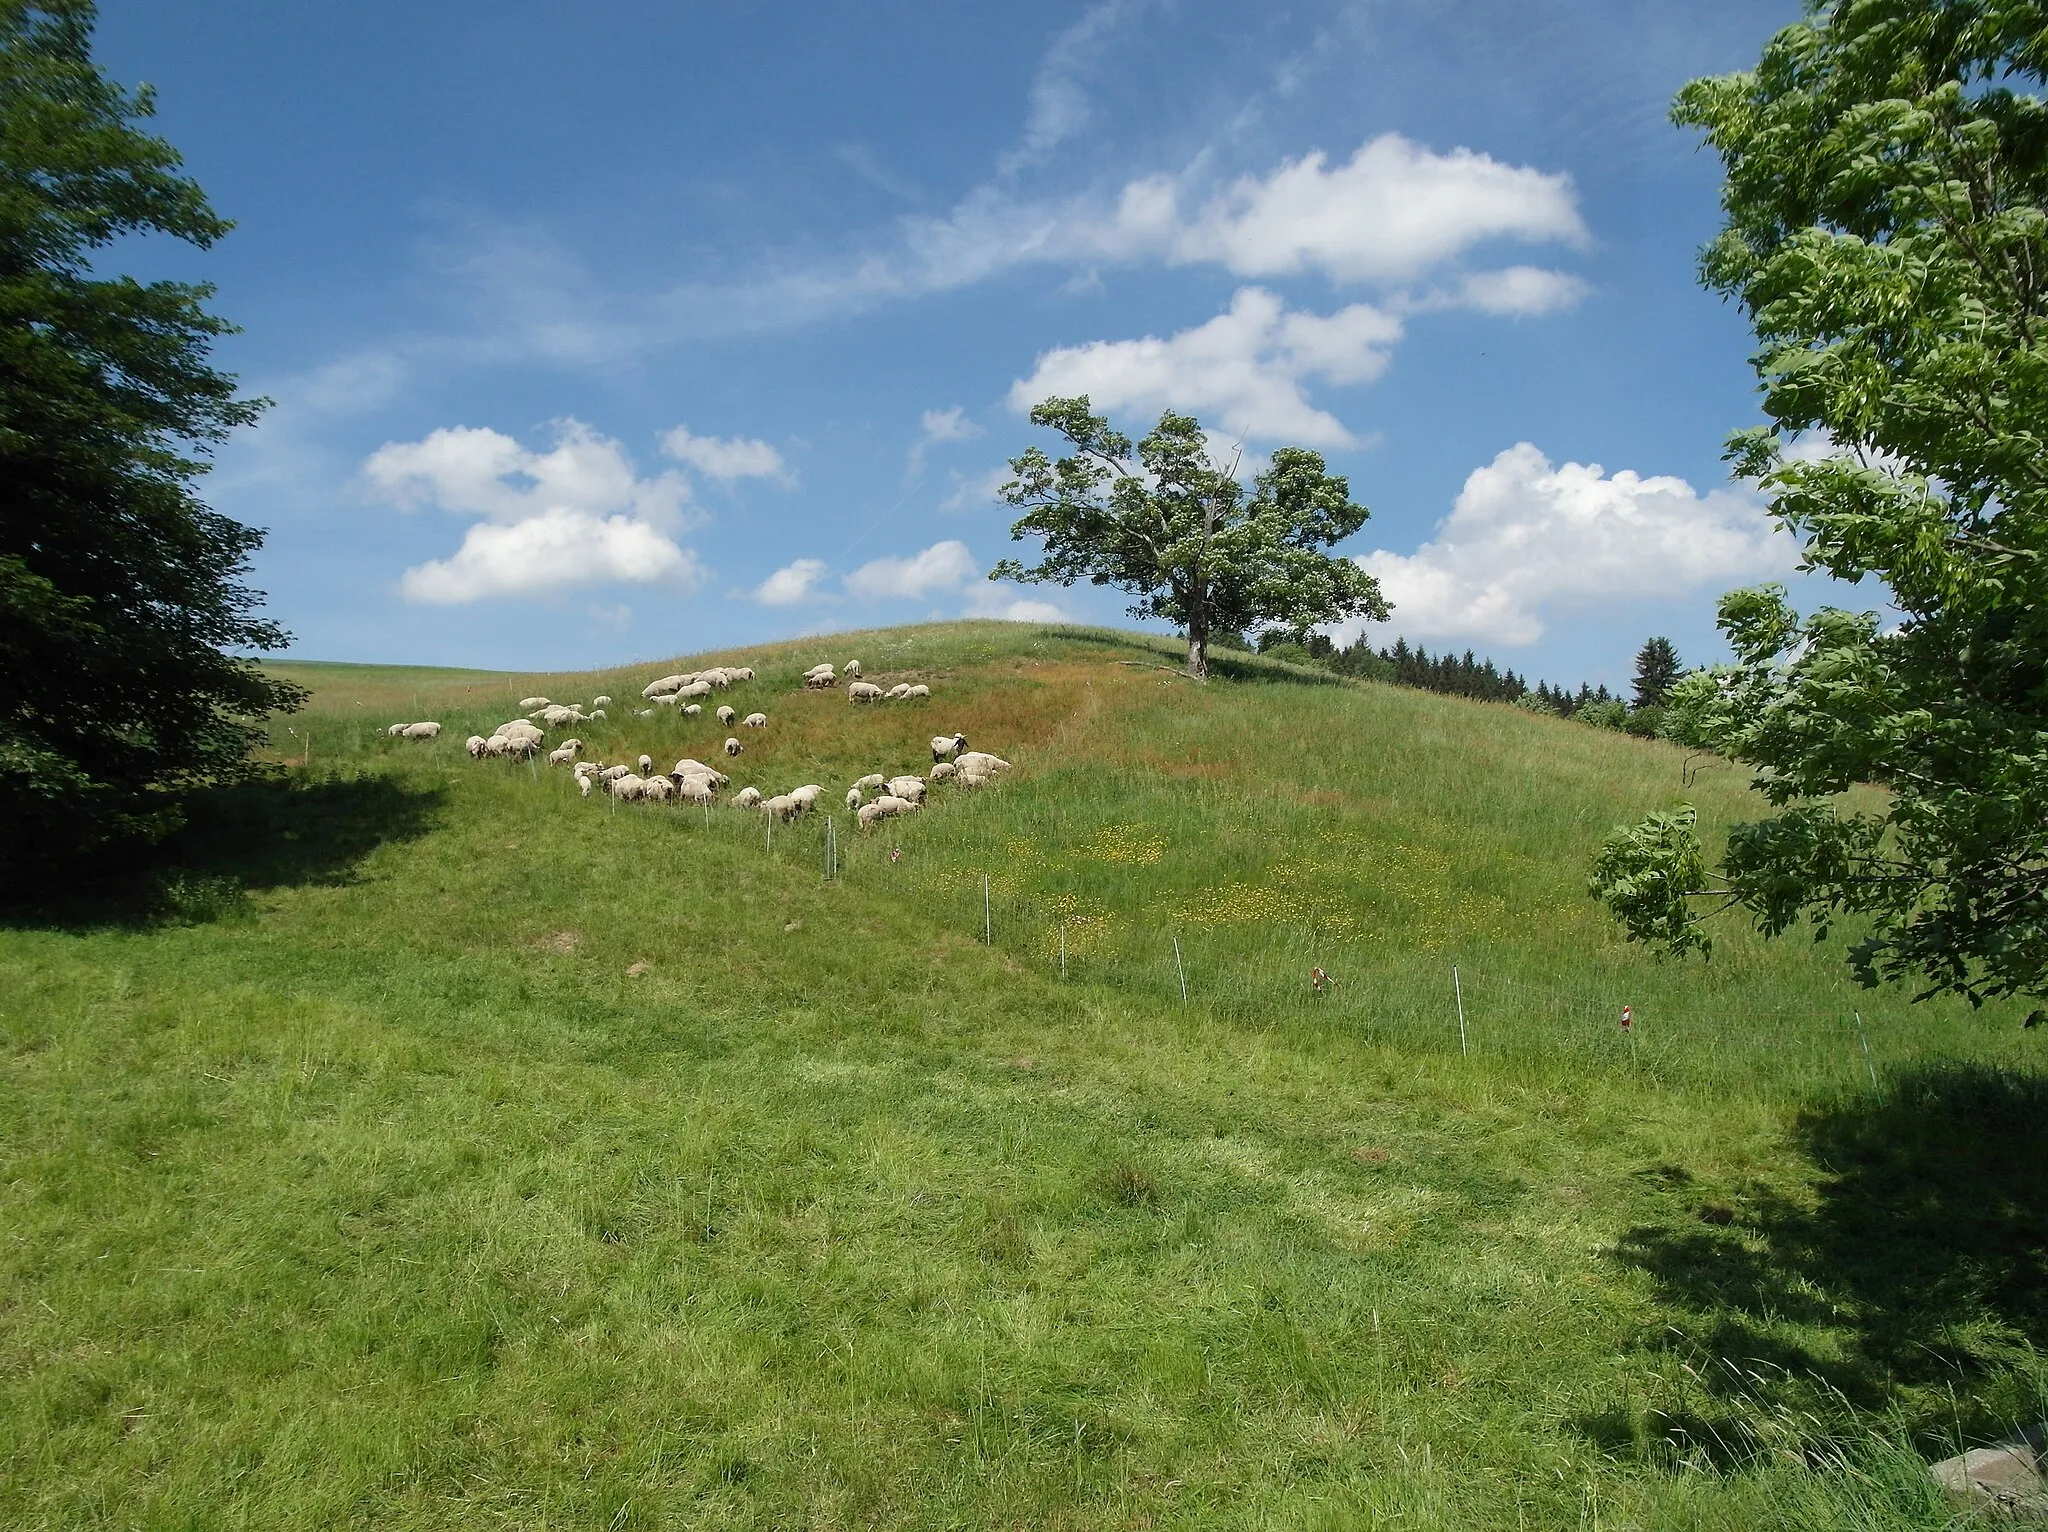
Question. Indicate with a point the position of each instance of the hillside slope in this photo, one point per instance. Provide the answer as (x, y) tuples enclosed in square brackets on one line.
[(440, 1145)]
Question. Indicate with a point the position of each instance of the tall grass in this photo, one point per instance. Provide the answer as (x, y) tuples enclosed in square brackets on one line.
[(441, 1147)]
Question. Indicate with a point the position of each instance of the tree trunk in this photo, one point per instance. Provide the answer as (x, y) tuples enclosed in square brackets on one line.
[(1198, 652)]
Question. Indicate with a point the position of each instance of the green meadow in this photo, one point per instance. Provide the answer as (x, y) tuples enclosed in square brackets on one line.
[(414, 1143)]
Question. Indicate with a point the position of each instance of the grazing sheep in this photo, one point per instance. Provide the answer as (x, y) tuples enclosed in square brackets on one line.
[(397, 729), (667, 686), (916, 692), (853, 799), (695, 790), (519, 728), (612, 774), (946, 746), (421, 731), (600, 702), (863, 691), (891, 805), (944, 771), (782, 807), (689, 768), (714, 677), (733, 747), (666, 699), (746, 798), (740, 672), (475, 745), (693, 710), (555, 717), (869, 815), (497, 745), (522, 747), (853, 669), (823, 681), (627, 789), (807, 795), (595, 714), (528, 704), (646, 712), (911, 789), (657, 789), (871, 781), (899, 691), (697, 688), (646, 764), (755, 721), (726, 715), (583, 785), (981, 763), (565, 756)]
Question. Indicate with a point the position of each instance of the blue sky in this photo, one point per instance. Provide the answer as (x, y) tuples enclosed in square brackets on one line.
[(627, 329)]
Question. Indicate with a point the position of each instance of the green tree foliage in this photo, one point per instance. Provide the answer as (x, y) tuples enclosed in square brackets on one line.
[(1887, 235), (1657, 671), (1164, 522), (119, 589)]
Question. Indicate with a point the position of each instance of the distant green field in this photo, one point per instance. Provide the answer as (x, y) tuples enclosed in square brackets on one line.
[(422, 1145)]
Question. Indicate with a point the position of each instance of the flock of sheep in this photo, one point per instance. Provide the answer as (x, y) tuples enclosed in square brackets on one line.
[(692, 781)]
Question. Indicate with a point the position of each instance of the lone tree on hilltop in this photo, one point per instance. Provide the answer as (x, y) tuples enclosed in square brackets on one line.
[(1166, 523), (1657, 671), (119, 588), (1887, 170)]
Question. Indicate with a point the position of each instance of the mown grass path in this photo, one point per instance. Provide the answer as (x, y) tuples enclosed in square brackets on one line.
[(430, 1147)]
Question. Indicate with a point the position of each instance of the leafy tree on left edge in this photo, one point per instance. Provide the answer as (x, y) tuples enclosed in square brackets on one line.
[(120, 590)]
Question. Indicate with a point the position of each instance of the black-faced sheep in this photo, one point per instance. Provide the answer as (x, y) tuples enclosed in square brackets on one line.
[(726, 714), (733, 747), (947, 746)]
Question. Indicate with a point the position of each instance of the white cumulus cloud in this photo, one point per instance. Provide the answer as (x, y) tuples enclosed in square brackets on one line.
[(555, 551), (792, 584), (1243, 370), (726, 457), (936, 426), (1391, 213), (575, 514), (1527, 538), (945, 566)]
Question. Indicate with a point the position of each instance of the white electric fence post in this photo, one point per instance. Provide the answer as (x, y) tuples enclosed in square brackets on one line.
[(1180, 968), (1863, 1037), (1458, 990)]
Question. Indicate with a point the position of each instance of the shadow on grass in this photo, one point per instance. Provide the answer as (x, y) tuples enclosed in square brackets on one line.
[(1229, 664), (1922, 1264), (272, 833)]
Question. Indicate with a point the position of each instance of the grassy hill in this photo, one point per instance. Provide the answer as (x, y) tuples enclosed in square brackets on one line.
[(420, 1145)]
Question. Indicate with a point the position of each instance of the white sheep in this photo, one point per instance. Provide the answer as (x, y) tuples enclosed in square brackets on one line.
[(528, 704), (981, 763), (596, 713), (863, 691), (646, 712), (693, 710), (421, 731), (853, 669), (687, 767), (646, 764), (916, 692), (666, 699), (522, 747), (782, 806), (627, 789), (600, 702), (497, 745), (891, 805), (755, 721), (612, 774), (871, 781), (733, 747), (565, 756), (397, 729), (666, 686), (822, 681), (726, 715), (746, 798), (519, 728), (911, 789), (944, 771), (807, 795), (869, 815), (947, 746), (657, 789), (583, 785), (695, 790), (899, 691), (714, 677), (740, 672), (475, 745), (697, 688), (853, 798)]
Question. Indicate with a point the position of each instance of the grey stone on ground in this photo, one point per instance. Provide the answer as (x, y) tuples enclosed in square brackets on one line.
[(2010, 1476)]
